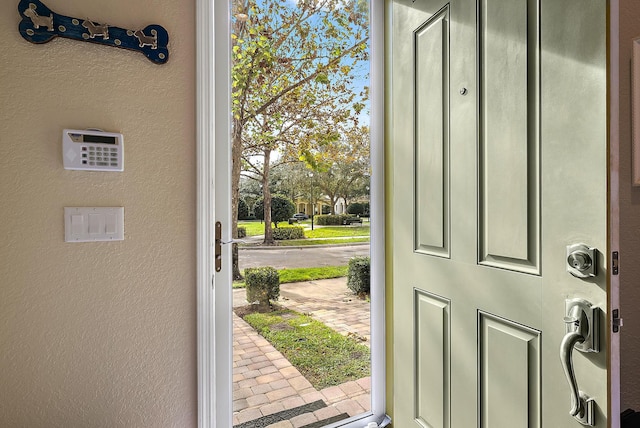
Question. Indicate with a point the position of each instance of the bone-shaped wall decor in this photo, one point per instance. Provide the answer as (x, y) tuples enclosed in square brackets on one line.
[(40, 25)]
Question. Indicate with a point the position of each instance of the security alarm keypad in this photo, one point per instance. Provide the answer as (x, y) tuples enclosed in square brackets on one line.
[(91, 150)]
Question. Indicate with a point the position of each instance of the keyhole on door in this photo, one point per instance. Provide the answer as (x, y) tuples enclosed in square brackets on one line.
[(581, 260)]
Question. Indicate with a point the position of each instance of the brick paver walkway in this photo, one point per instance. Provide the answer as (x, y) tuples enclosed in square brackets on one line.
[(265, 383)]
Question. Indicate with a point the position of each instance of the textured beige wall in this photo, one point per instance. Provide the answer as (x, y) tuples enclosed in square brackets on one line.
[(98, 334), (630, 218)]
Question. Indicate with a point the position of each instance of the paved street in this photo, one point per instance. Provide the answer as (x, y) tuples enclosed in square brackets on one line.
[(297, 257)]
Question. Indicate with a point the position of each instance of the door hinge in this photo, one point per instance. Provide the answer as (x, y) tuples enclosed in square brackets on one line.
[(616, 322), (614, 263)]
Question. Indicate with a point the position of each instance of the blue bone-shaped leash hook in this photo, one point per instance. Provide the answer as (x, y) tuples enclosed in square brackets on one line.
[(40, 25)]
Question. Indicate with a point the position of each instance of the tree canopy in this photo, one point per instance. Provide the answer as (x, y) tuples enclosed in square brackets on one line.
[(295, 76), (281, 209)]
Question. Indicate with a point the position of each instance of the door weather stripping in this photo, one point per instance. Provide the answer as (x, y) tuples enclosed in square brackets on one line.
[(582, 325)]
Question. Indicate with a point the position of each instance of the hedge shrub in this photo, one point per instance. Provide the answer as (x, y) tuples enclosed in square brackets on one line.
[(284, 233), (355, 208), (331, 219), (282, 209), (359, 275), (262, 285), (242, 232), (243, 210)]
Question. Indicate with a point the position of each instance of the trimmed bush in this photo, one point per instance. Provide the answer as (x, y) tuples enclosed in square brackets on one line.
[(355, 208), (331, 219), (282, 209), (284, 233), (243, 210), (262, 285), (242, 232), (359, 275)]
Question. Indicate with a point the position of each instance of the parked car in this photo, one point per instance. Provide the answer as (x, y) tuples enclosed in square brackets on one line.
[(300, 216), (352, 220)]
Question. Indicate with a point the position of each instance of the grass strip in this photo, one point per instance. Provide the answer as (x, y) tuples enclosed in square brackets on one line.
[(308, 242), (337, 231), (311, 274), (305, 274), (256, 227), (324, 357)]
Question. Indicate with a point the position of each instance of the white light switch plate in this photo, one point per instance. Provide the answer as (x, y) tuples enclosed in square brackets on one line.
[(90, 224)]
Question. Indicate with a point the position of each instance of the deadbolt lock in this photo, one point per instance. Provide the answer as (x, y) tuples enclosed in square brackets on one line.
[(581, 260)]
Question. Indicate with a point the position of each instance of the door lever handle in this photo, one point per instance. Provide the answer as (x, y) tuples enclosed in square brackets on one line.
[(566, 357), (582, 334)]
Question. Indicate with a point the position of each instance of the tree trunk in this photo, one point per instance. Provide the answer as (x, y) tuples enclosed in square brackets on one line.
[(266, 194), (236, 156), (333, 199)]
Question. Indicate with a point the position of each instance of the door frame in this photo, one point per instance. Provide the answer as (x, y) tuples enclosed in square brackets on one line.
[(613, 295), (214, 297)]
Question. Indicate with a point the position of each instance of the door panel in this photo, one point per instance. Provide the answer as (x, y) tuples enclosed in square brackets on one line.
[(432, 341), (502, 160), (509, 76), (509, 355), (431, 80)]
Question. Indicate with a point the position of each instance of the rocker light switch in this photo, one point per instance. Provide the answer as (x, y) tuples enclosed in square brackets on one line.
[(110, 222), (90, 224), (77, 224), (95, 223)]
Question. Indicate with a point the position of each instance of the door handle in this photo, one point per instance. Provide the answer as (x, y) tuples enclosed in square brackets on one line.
[(582, 325)]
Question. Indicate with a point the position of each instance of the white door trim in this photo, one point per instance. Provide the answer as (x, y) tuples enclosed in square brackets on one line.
[(214, 191), (614, 204)]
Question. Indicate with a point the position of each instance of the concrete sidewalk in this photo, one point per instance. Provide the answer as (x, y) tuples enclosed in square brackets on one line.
[(268, 391)]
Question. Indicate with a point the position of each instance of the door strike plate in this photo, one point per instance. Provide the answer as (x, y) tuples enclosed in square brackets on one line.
[(218, 247)]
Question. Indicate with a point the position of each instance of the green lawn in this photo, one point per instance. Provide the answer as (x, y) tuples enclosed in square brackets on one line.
[(337, 231), (257, 228), (323, 356), (305, 274), (304, 242), (254, 227)]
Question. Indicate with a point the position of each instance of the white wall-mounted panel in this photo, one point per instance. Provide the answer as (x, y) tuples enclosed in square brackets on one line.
[(92, 224)]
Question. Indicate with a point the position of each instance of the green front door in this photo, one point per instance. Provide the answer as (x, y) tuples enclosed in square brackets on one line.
[(497, 136)]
